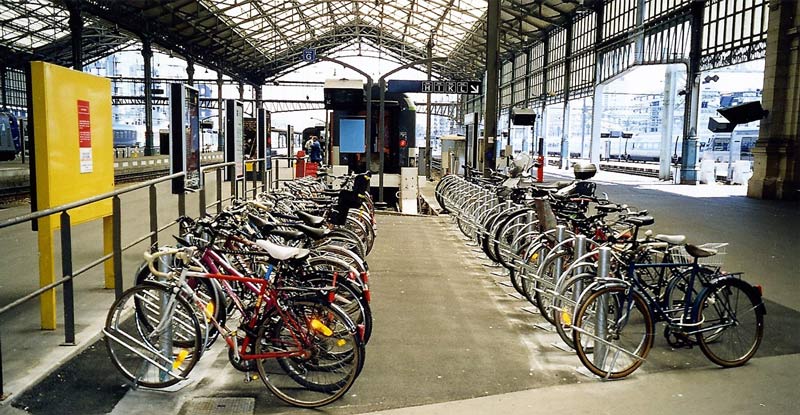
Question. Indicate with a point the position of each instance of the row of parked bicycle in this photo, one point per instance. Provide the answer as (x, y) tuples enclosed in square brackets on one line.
[(282, 279), (599, 278)]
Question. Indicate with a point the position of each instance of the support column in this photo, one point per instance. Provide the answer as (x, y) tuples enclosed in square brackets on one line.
[(490, 116), (76, 33), (190, 71), (667, 115), (564, 161), (567, 86), (220, 112), (428, 115), (689, 170), (597, 100), (776, 165), (147, 55), (595, 144), (257, 96)]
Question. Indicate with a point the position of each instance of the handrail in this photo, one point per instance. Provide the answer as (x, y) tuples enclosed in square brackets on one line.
[(68, 274), (47, 212)]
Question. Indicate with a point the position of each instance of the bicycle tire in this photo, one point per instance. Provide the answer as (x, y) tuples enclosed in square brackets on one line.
[(328, 373), (208, 292), (633, 347), (546, 281), (563, 310), (739, 340), (348, 294), (141, 355)]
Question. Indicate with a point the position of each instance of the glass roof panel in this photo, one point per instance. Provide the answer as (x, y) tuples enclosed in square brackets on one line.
[(28, 25), (282, 25)]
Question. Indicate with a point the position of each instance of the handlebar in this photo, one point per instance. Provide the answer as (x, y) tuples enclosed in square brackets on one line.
[(182, 254)]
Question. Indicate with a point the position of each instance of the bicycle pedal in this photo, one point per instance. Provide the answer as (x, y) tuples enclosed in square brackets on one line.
[(248, 377)]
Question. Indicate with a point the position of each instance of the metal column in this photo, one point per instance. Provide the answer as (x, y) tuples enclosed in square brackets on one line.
[(564, 160), (76, 32), (428, 115), (147, 55), (597, 99), (220, 122), (490, 116), (190, 71), (670, 91), (689, 170)]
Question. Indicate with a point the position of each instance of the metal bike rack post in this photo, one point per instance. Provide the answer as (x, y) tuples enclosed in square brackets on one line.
[(166, 339), (561, 234), (580, 251), (601, 311), (531, 219)]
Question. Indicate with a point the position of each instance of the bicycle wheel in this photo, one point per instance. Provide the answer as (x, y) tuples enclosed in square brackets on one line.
[(612, 332), (210, 294), (330, 354), (731, 314), (549, 272), (153, 336)]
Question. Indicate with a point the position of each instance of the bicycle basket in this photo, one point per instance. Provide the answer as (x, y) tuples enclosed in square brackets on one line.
[(679, 254)]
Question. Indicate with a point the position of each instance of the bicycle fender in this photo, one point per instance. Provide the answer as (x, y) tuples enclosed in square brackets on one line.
[(735, 281), (601, 284)]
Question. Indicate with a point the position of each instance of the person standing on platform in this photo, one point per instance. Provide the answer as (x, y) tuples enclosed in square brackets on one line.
[(315, 154)]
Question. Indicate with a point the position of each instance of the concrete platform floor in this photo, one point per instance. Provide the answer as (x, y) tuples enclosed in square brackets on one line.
[(451, 338)]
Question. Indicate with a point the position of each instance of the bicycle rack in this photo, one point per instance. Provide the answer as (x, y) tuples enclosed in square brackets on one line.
[(602, 311)]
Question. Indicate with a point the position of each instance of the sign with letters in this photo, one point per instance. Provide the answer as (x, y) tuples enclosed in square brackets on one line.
[(462, 87), (309, 55)]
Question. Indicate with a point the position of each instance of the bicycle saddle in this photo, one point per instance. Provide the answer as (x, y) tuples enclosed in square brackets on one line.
[(640, 220), (671, 239), (309, 219), (311, 232), (282, 253), (699, 252), (287, 234), (554, 185)]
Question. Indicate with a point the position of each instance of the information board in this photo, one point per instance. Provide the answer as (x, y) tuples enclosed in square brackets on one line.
[(184, 134), (234, 149), (351, 135)]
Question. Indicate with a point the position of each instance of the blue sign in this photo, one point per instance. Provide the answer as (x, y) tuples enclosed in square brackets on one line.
[(436, 87), (309, 55)]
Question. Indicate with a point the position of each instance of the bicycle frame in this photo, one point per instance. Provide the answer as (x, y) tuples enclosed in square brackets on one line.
[(263, 299)]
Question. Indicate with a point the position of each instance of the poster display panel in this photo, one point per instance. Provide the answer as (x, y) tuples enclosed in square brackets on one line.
[(185, 138), (351, 135), (234, 142)]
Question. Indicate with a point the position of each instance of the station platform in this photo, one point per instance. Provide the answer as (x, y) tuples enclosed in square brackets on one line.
[(450, 337)]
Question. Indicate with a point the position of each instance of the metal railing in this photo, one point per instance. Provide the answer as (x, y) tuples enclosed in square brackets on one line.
[(67, 271)]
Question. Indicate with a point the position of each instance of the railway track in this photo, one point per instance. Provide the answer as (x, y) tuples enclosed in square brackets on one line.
[(14, 194)]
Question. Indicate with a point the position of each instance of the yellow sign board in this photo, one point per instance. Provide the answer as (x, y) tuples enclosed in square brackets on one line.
[(73, 141)]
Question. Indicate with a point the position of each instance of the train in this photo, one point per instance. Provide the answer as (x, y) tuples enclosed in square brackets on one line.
[(10, 136), (348, 122), (618, 145), (127, 135)]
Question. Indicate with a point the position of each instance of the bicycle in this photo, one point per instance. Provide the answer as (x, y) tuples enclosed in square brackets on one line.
[(614, 320), (307, 350)]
